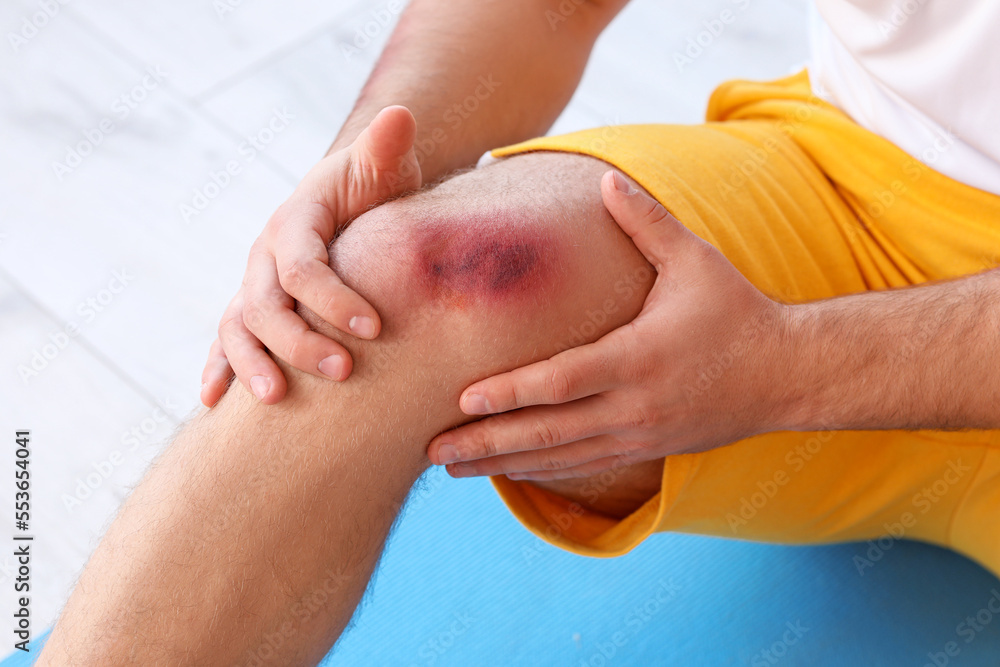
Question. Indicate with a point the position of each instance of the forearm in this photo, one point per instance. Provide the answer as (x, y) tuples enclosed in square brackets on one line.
[(919, 357), (478, 74)]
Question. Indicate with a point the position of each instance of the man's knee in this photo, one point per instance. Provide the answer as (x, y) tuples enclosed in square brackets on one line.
[(486, 272), (492, 269)]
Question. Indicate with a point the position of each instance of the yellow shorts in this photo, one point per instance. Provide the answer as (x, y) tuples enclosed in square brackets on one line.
[(807, 205)]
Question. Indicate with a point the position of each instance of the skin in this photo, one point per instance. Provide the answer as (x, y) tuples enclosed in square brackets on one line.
[(296, 497), (560, 418), (494, 263), (264, 521), (531, 66), (911, 358), (290, 257)]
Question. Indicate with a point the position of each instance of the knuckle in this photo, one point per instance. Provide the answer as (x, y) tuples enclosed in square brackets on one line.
[(559, 384), (328, 305), (641, 418), (653, 211), (488, 447), (518, 397), (280, 218), (550, 462), (228, 323), (294, 275), (638, 369), (253, 313), (295, 351), (259, 247), (483, 442), (546, 434)]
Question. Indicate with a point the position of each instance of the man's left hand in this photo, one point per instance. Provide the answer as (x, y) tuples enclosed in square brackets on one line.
[(698, 368)]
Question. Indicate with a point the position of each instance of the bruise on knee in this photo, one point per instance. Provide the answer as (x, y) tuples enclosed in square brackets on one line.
[(486, 272), (482, 262)]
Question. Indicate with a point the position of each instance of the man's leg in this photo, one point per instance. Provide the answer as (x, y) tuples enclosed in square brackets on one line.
[(263, 520)]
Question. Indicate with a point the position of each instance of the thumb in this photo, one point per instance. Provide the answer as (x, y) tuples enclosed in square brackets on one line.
[(385, 148), (655, 232)]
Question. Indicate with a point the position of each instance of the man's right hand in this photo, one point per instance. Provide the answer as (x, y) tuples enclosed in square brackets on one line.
[(289, 262)]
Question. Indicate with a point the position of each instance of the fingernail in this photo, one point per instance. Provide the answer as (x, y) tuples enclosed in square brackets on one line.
[(515, 476), (623, 185), (476, 404), (260, 385), (362, 326), (448, 454), (332, 367)]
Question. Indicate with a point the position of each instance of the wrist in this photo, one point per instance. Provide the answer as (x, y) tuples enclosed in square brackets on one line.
[(797, 378)]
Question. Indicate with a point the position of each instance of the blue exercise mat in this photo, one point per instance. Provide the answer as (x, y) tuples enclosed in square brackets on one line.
[(463, 584)]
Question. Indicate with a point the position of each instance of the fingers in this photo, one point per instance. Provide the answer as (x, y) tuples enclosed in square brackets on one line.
[(655, 232), (215, 376), (303, 272), (268, 315), (575, 373), (554, 463), (387, 138), (245, 353), (588, 469), (383, 158), (538, 427)]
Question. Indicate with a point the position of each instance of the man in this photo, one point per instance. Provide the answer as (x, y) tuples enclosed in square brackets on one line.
[(296, 484)]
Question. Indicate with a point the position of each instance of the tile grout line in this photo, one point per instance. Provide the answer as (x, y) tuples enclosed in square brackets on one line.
[(89, 347), (275, 55), (192, 102), (195, 105)]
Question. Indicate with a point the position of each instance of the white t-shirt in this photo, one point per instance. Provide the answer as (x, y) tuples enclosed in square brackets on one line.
[(924, 74)]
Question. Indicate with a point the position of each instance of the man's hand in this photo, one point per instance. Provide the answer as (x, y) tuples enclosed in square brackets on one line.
[(289, 262), (695, 370)]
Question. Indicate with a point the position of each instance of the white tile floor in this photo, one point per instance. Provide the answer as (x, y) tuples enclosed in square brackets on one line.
[(100, 249)]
